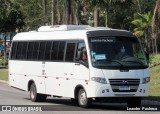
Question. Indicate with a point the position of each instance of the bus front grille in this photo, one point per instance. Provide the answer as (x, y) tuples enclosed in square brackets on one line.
[(124, 85)]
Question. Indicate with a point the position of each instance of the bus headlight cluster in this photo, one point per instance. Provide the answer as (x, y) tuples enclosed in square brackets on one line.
[(145, 80), (99, 79)]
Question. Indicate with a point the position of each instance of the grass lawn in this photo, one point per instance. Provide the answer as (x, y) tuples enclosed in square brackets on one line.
[(155, 81), (3, 74)]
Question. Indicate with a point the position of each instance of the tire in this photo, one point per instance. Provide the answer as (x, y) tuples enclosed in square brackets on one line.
[(134, 102), (42, 98), (34, 96), (74, 101), (82, 99)]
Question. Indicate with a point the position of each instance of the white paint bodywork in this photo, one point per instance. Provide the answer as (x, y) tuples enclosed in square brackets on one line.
[(61, 78)]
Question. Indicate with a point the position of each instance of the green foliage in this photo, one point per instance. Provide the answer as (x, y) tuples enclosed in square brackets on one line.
[(142, 23), (3, 62), (11, 16)]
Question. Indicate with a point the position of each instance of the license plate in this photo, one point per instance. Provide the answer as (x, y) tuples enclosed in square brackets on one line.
[(124, 88)]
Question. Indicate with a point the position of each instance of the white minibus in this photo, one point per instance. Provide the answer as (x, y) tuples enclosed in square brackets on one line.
[(80, 62)]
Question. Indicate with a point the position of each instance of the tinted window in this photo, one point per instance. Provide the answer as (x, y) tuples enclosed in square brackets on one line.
[(54, 52), (19, 50), (48, 50), (61, 50), (30, 50), (42, 50), (70, 52), (35, 51), (80, 47), (14, 48), (24, 50)]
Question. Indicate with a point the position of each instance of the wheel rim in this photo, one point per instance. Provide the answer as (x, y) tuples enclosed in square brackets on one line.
[(33, 92), (83, 98)]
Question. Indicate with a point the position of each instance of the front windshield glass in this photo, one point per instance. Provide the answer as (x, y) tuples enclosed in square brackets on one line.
[(117, 52)]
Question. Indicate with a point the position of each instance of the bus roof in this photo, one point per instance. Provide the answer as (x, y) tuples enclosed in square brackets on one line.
[(74, 32)]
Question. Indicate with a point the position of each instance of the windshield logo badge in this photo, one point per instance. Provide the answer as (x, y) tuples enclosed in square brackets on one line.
[(125, 82)]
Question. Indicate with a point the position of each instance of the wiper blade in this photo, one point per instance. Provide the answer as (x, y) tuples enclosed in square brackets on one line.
[(136, 62), (115, 61)]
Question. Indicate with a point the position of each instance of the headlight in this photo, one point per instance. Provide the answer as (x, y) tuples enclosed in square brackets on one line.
[(145, 80), (99, 79)]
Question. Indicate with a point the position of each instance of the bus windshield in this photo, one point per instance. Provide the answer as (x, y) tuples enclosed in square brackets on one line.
[(117, 52)]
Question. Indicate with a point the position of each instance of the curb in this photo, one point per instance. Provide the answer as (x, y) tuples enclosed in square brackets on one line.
[(3, 81)]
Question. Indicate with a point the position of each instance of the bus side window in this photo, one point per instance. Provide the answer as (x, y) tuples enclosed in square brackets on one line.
[(13, 52), (48, 50), (35, 51), (30, 50), (70, 52), (81, 54), (24, 50), (42, 50), (19, 50), (61, 50)]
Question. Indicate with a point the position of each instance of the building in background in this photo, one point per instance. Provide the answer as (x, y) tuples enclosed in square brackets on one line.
[(5, 44)]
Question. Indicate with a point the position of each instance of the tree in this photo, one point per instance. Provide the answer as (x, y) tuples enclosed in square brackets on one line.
[(107, 8), (11, 18), (143, 27), (156, 25)]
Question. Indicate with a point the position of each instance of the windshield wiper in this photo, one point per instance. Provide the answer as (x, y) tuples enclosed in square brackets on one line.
[(136, 62), (115, 61)]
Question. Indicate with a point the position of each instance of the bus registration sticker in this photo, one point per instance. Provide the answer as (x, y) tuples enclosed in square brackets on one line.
[(100, 57), (124, 88)]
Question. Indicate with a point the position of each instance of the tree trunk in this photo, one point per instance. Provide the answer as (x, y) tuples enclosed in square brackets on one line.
[(139, 6), (58, 12), (44, 11), (155, 44), (77, 12), (106, 18), (67, 12), (53, 12), (96, 17), (5, 36)]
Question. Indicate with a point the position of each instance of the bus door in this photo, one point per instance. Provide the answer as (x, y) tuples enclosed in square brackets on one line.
[(81, 69), (67, 82)]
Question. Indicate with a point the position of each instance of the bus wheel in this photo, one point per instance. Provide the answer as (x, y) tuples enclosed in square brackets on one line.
[(34, 96), (134, 102), (74, 101), (82, 99), (42, 97)]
